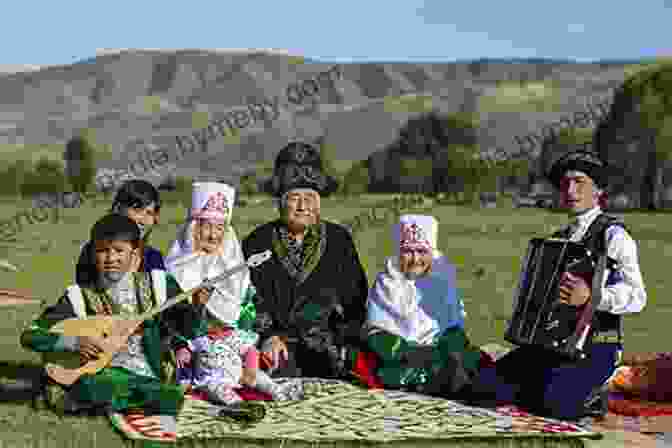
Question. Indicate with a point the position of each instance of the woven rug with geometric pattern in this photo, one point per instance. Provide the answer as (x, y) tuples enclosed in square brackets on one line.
[(339, 413)]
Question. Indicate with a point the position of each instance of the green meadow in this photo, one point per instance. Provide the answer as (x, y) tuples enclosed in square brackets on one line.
[(487, 246)]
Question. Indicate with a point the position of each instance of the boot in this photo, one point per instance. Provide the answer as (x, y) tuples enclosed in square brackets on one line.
[(597, 403), (449, 379)]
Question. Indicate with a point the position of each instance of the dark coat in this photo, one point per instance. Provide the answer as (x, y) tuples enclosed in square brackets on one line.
[(320, 316)]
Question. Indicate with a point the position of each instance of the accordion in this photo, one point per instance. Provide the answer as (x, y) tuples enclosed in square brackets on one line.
[(539, 318)]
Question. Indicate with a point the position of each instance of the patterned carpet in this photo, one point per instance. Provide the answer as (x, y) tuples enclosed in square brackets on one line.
[(337, 413)]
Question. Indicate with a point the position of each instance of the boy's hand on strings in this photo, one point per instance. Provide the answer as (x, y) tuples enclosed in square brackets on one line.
[(90, 348), (249, 377)]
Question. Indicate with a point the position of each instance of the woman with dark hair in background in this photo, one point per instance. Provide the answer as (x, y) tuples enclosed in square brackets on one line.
[(138, 200)]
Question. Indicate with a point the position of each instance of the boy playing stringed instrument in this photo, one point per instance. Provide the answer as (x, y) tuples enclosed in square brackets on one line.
[(135, 376)]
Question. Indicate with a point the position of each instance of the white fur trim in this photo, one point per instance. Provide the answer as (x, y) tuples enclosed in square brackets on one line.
[(159, 285), (77, 300)]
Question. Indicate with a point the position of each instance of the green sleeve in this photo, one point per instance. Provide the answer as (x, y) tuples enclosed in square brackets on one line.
[(37, 336), (387, 346), (183, 321), (248, 311), (172, 287)]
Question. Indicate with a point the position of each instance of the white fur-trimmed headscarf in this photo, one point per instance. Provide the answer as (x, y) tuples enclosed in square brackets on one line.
[(212, 201)]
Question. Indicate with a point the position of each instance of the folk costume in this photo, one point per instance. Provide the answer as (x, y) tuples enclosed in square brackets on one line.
[(547, 385), (226, 343), (422, 317), (311, 293), (132, 194), (139, 375)]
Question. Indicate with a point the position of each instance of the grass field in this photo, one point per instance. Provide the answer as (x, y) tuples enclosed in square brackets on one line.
[(491, 239)]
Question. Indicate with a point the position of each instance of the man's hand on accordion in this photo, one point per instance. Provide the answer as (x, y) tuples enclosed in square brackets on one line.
[(574, 290)]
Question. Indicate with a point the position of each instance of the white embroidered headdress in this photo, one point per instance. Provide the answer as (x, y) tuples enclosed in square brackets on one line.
[(416, 232), (211, 201)]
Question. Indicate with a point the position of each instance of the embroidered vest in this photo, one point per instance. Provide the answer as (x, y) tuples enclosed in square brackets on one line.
[(595, 240), (86, 302)]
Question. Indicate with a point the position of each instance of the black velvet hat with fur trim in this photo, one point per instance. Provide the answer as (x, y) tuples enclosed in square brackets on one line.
[(299, 165), (584, 161)]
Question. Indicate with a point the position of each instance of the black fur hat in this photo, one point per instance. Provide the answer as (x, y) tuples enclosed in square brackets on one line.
[(584, 161), (299, 165)]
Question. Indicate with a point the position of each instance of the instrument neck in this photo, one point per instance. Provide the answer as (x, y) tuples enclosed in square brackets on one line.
[(186, 294)]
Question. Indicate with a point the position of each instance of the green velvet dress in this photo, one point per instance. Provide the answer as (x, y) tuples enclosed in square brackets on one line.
[(392, 350)]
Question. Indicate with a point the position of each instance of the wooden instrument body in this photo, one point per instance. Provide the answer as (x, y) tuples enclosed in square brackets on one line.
[(95, 326), (114, 331)]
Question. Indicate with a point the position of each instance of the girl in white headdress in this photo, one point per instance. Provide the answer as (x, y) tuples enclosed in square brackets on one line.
[(415, 320), (223, 356)]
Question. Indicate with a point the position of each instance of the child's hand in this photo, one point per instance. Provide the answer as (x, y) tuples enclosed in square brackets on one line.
[(200, 296), (183, 357), (249, 377)]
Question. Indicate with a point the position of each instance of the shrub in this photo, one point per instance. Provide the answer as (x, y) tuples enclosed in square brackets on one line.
[(46, 177), (248, 185), (13, 177)]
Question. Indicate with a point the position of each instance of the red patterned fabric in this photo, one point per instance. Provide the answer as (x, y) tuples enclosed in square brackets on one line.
[(647, 380), (486, 360), (364, 369), (525, 422), (622, 405), (219, 332)]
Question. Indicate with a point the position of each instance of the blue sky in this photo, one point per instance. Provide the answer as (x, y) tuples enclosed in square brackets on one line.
[(61, 32)]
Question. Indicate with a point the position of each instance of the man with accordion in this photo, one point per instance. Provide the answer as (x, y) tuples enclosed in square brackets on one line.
[(574, 288)]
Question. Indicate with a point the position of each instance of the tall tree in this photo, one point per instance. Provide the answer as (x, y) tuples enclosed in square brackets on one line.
[(329, 158), (638, 115), (431, 135), (80, 162)]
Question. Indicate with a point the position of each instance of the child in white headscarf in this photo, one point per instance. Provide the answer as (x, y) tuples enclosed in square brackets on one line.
[(224, 354)]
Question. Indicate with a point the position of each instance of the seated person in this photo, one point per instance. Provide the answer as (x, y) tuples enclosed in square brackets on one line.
[(135, 377), (540, 380), (138, 200), (311, 294), (225, 353), (415, 320)]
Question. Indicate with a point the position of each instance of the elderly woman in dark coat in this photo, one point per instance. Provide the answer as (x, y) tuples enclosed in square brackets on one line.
[(311, 296)]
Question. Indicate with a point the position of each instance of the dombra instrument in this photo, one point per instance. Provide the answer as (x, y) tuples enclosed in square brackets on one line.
[(120, 328), (539, 318)]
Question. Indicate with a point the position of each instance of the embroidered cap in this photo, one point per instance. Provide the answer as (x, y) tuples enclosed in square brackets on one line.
[(416, 232), (212, 201)]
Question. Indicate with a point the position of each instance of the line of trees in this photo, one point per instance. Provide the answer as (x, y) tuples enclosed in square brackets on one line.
[(438, 154)]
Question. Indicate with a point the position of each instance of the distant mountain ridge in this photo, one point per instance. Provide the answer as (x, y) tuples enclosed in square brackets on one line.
[(129, 96)]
